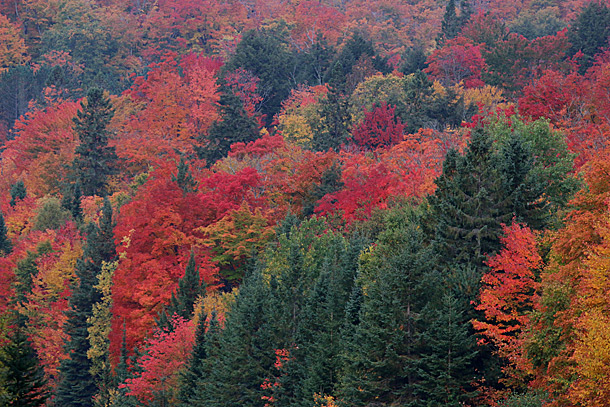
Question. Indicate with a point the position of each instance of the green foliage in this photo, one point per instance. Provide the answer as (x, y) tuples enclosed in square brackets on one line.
[(94, 160), (77, 386), (51, 215), (18, 192), (382, 346), (71, 201), (184, 177), (183, 300), (448, 351), (535, 24), (6, 246), (333, 129), (265, 53), (590, 31), (234, 126), (23, 379)]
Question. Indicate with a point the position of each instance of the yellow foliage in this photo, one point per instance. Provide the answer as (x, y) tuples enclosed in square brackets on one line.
[(487, 97)]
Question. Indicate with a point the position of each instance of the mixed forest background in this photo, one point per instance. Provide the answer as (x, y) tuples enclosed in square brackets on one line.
[(265, 203)]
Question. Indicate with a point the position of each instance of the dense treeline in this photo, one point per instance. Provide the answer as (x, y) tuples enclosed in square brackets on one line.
[(303, 203)]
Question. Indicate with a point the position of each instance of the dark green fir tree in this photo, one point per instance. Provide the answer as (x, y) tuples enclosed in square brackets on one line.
[(94, 160), (333, 129), (77, 385), (24, 379), (6, 246), (184, 178), (18, 192), (234, 126), (589, 32)]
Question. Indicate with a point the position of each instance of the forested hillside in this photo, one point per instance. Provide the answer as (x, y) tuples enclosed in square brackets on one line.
[(285, 203)]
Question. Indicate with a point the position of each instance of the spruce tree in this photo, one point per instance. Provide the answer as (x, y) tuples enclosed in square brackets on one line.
[(335, 119), (77, 386), (381, 351), (184, 177), (18, 192), (6, 246), (94, 160), (450, 27), (182, 301), (234, 126), (24, 377), (71, 201), (247, 350), (590, 31), (445, 366)]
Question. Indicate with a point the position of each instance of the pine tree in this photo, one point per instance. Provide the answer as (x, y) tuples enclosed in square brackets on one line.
[(77, 386), (24, 377), (6, 247), (94, 160), (18, 192), (234, 126)]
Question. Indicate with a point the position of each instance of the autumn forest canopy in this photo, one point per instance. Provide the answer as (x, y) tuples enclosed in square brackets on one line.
[(316, 203)]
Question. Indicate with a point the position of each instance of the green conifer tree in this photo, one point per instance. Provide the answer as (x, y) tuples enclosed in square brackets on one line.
[(335, 119), (24, 380), (18, 192), (590, 31), (94, 160), (6, 246), (77, 385), (234, 126), (184, 177), (381, 352), (445, 365)]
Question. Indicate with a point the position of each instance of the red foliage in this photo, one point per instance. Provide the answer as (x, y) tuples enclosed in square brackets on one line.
[(43, 149), (380, 128), (458, 61), (166, 354), (509, 293), (156, 232)]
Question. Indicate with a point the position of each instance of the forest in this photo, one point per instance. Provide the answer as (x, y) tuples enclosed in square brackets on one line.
[(304, 203)]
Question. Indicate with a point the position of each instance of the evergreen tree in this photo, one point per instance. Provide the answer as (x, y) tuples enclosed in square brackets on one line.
[(445, 367), (94, 160), (71, 201), (182, 301), (590, 31), (184, 177), (77, 386), (6, 247), (480, 190), (234, 126), (450, 27), (246, 353), (18, 192), (381, 352), (265, 53), (24, 377), (204, 369), (333, 130)]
